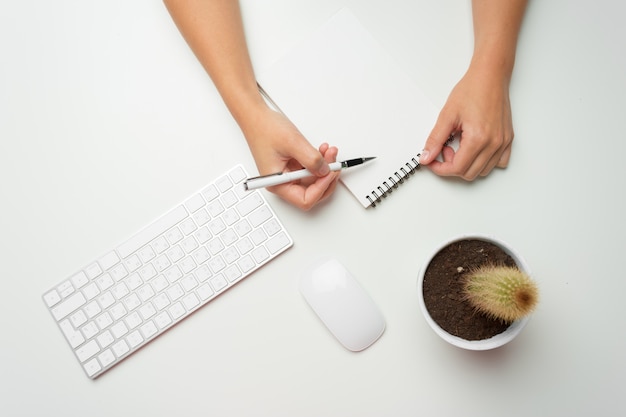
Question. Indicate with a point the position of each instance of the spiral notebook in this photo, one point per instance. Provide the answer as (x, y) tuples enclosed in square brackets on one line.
[(339, 86)]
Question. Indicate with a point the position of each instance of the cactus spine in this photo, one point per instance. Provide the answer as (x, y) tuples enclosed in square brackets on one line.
[(501, 292)]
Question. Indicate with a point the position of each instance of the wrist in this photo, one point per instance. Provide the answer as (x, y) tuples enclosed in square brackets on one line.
[(246, 106), (493, 64)]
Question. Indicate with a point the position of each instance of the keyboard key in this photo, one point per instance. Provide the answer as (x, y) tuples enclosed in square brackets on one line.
[(259, 216), (159, 284), (119, 329), (163, 320), (119, 291), (92, 309), (106, 300), (190, 301), (215, 208), (194, 203), (258, 236), (161, 301), (92, 367), (217, 226), (89, 330), (91, 291), (108, 260), (173, 274), (201, 217), (87, 350), (251, 202), (118, 311), (177, 311), (243, 228), (132, 302), (203, 273), (188, 283), (168, 269), (215, 246), (272, 227), (224, 184), (148, 330), (153, 230), (230, 217), (229, 199), (174, 235), (176, 253), (133, 282), (188, 226), (93, 270), (105, 282), (146, 253), (68, 306), (160, 244), (218, 283), (51, 298), (106, 358), (175, 292), (80, 279), (78, 319), (278, 242), (260, 254), (237, 175), (244, 246), (210, 193), (246, 264), (133, 263), (201, 255), (133, 320), (205, 291), (229, 237), (161, 263), (232, 273), (75, 338), (118, 272), (105, 339), (65, 289), (103, 321), (134, 339), (147, 311), (120, 348)]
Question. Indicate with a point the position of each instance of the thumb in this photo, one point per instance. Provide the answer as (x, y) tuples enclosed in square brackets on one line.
[(436, 140), (310, 158)]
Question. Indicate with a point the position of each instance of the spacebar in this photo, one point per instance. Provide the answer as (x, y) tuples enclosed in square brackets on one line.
[(151, 231)]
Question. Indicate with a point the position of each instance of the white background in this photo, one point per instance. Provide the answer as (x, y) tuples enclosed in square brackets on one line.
[(107, 120)]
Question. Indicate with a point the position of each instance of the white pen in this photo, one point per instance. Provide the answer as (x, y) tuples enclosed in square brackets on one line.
[(284, 177)]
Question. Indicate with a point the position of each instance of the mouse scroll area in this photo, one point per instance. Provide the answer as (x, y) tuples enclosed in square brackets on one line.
[(342, 304)]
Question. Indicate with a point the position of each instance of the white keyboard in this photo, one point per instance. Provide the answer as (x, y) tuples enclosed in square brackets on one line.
[(175, 265)]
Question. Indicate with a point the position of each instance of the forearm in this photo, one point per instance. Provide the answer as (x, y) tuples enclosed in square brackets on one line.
[(214, 31), (496, 27)]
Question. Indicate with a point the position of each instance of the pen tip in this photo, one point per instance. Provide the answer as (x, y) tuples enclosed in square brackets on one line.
[(369, 158)]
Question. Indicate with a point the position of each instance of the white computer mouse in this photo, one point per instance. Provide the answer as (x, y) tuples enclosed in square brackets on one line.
[(342, 304)]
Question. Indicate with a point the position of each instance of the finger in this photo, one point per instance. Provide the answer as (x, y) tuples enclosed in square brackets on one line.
[(503, 162), (437, 138), (310, 158), (306, 197)]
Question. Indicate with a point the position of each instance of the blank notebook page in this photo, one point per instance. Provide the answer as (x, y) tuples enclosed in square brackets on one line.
[(339, 86)]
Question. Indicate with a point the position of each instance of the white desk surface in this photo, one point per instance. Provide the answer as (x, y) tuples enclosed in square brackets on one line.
[(107, 120)]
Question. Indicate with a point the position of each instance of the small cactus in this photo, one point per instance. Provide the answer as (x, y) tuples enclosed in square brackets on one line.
[(501, 292)]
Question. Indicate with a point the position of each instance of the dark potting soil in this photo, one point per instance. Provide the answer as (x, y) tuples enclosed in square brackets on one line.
[(443, 288)]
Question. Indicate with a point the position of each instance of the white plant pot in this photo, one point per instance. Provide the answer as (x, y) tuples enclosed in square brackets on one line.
[(496, 341)]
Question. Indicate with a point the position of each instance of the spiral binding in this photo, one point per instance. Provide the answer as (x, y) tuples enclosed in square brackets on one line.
[(394, 181)]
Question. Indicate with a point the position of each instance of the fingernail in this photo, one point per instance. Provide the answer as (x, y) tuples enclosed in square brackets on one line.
[(324, 170), (424, 156)]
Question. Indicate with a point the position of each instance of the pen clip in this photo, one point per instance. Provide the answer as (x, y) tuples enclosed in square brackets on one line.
[(264, 176)]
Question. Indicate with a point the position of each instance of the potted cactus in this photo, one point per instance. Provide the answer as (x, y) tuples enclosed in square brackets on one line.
[(475, 292)]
